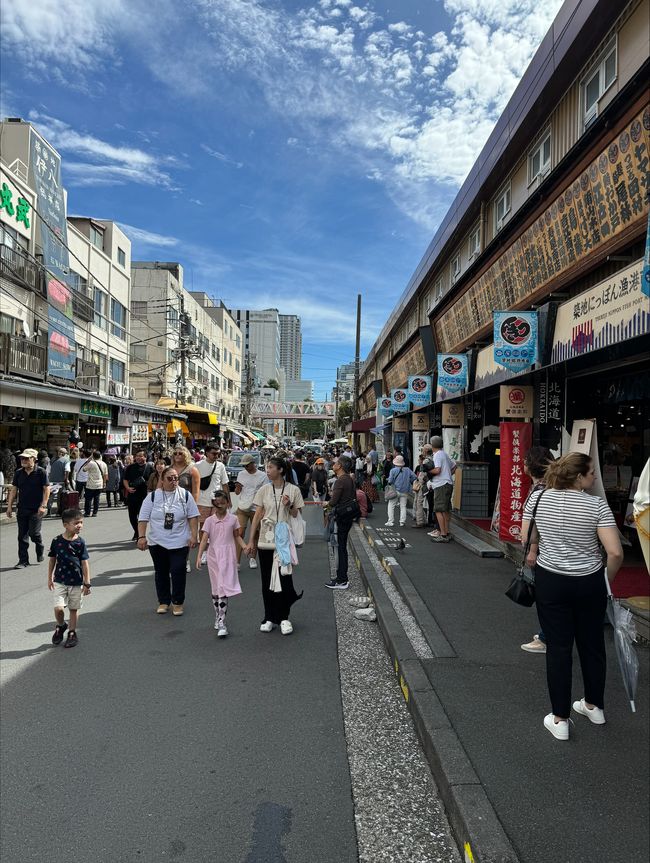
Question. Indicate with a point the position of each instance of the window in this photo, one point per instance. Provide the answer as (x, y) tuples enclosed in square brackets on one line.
[(100, 361), (539, 159), (216, 384), (191, 371), (597, 82), (117, 370), (238, 341), (121, 257), (97, 237), (502, 207), (455, 267), (437, 289), (475, 242), (172, 316), (118, 320), (213, 381), (81, 352), (138, 309), (218, 354), (100, 303), (237, 366), (139, 353)]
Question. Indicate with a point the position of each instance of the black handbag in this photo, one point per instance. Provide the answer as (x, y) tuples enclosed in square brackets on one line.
[(204, 482), (348, 510), (522, 586)]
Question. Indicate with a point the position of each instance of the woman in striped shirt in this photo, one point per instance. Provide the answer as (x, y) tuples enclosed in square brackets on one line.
[(570, 587)]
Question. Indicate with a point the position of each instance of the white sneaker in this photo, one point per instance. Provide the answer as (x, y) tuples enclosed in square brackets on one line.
[(267, 626), (252, 563), (204, 557), (188, 567), (285, 627), (594, 714), (559, 730), (389, 524), (222, 632)]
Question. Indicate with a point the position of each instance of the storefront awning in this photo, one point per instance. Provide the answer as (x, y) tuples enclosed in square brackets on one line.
[(210, 417), (258, 435), (177, 425), (249, 436), (363, 425)]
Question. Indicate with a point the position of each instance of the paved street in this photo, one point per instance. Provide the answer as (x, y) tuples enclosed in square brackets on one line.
[(151, 740)]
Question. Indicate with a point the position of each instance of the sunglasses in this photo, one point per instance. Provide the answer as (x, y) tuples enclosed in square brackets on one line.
[(172, 478)]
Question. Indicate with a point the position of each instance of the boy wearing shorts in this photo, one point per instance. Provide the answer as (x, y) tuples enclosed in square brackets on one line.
[(68, 575)]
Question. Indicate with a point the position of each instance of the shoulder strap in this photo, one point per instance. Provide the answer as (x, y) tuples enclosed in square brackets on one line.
[(153, 494), (532, 525)]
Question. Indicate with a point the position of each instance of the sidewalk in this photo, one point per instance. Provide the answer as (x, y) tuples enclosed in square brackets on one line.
[(479, 708)]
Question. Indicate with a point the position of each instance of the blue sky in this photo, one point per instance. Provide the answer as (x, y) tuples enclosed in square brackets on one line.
[(288, 154)]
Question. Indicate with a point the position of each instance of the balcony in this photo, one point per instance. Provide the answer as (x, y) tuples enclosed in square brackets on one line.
[(82, 298), (22, 357), (87, 376), (17, 266)]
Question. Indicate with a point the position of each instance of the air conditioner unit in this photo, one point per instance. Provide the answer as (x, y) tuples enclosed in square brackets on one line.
[(131, 392)]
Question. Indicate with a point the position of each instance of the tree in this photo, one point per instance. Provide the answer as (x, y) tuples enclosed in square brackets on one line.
[(306, 429), (272, 384), (345, 415)]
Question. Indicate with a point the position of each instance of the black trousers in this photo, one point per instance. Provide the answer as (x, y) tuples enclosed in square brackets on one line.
[(572, 608), (170, 564), (108, 497), (276, 605), (343, 527), (91, 500), (133, 503), (29, 527), (80, 487)]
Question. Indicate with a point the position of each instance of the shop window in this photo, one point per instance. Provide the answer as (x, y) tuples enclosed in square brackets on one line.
[(121, 257), (539, 159), (502, 207), (474, 246), (117, 370), (97, 237), (599, 79), (118, 320)]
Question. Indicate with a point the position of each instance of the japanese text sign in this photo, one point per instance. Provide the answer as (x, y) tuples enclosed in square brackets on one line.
[(400, 398), (419, 390), (385, 406), (515, 339), (516, 402), (452, 372), (515, 441), (453, 414)]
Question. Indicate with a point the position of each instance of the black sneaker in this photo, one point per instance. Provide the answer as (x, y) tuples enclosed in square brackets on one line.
[(337, 585), (40, 558), (72, 639), (57, 638), (21, 565)]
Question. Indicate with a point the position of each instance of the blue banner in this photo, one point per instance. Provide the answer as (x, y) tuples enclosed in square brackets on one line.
[(45, 172), (400, 398), (515, 340), (452, 372), (385, 406), (645, 278), (419, 390)]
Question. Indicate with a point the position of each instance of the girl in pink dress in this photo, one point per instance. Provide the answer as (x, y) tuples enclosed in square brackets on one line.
[(222, 531)]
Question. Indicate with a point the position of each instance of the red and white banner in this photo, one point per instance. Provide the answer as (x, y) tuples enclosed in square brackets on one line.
[(516, 440)]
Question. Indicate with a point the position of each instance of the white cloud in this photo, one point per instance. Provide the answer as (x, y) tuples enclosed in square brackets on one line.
[(221, 157), (107, 164), (148, 239)]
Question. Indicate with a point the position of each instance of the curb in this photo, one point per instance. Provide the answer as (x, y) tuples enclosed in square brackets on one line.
[(475, 825)]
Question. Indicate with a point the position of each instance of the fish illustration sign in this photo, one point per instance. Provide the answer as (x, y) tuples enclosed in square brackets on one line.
[(452, 372), (515, 340), (419, 390)]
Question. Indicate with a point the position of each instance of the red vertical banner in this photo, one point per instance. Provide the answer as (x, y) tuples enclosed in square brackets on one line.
[(516, 440)]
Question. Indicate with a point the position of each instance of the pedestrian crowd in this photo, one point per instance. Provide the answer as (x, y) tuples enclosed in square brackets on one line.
[(178, 503)]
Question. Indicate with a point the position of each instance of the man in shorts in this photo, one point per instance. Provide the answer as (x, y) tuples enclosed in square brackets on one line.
[(442, 484), (246, 485)]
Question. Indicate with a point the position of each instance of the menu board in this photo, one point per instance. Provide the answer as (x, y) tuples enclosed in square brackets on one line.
[(602, 202)]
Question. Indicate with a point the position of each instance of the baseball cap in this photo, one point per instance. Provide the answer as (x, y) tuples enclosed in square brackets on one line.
[(247, 459), (29, 453)]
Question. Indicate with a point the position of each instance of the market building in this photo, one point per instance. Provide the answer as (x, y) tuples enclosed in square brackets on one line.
[(65, 293), (551, 220)]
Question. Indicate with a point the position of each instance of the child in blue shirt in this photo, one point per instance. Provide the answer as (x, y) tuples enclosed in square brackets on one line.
[(68, 575)]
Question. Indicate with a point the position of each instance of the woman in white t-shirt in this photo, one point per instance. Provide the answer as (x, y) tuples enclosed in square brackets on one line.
[(249, 481), (276, 501), (173, 519), (570, 584)]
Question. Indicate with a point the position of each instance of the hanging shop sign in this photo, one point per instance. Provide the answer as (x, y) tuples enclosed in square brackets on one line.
[(400, 424), (119, 437), (550, 399), (453, 414), (452, 443), (420, 439), (419, 390), (515, 340), (420, 422), (612, 311), (409, 363), (516, 402), (15, 206), (452, 372), (605, 200), (95, 409), (400, 399), (385, 406), (140, 433), (645, 280), (126, 417), (515, 441)]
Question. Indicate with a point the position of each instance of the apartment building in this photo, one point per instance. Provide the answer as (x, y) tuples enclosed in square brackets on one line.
[(291, 347), (65, 292), (551, 219), (260, 329)]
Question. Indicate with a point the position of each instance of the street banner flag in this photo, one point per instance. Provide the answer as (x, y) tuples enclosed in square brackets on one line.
[(515, 340), (645, 279), (400, 398), (385, 406), (452, 372), (419, 388)]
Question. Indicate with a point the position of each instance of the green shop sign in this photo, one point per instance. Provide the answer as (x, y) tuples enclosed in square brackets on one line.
[(95, 409), (19, 210)]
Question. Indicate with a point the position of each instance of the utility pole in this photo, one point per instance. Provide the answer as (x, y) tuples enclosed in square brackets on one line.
[(355, 399), (248, 386), (336, 408), (181, 392)]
